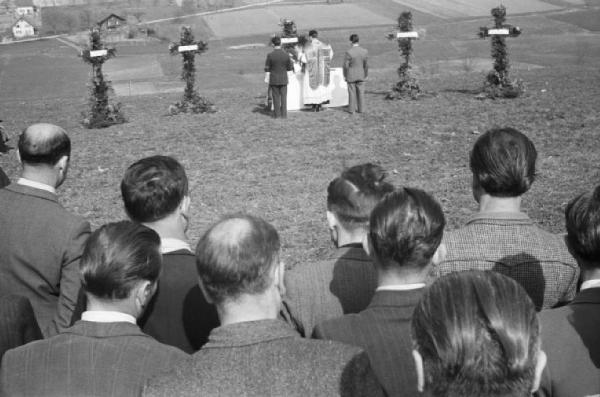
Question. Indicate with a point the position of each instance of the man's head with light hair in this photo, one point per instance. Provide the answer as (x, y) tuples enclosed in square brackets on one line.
[(44, 152), (238, 262)]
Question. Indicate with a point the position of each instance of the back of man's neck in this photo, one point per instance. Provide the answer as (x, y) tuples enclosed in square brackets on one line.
[(247, 308), (43, 176), (489, 203), (390, 278), (168, 227)]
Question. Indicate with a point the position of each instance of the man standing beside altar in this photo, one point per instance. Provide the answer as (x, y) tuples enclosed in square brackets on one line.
[(278, 64), (356, 71), (317, 58)]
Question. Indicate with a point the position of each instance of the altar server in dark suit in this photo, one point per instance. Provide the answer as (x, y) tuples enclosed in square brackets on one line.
[(106, 353), (571, 334), (156, 194), (17, 323), (253, 353), (346, 283), (41, 242), (356, 71), (406, 229), (278, 64)]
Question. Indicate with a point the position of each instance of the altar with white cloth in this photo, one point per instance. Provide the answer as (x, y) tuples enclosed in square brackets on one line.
[(337, 87)]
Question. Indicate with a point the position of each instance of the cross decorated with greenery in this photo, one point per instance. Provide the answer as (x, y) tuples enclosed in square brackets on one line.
[(101, 113), (189, 48), (497, 80), (407, 86)]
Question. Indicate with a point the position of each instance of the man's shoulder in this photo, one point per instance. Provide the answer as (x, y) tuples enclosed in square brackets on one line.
[(344, 327)]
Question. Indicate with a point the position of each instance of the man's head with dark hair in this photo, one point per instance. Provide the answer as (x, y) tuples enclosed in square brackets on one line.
[(477, 334), (354, 38), (352, 196), (121, 261), (583, 229), (503, 163), (405, 230), (313, 33), (44, 152), (276, 41), (239, 256), (153, 188), (43, 144)]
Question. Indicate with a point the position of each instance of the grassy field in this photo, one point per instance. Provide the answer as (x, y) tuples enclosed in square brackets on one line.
[(239, 159)]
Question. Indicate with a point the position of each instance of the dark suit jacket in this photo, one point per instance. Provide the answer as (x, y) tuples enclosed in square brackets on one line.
[(356, 67), (267, 358), (278, 64), (178, 314), (319, 291), (17, 323), (40, 247), (88, 359), (571, 340), (383, 330), (4, 180)]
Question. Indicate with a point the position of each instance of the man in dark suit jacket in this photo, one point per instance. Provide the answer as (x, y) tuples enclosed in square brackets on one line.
[(278, 64), (17, 323), (40, 242), (252, 353), (104, 354), (155, 193), (328, 289), (356, 71), (406, 229), (571, 334)]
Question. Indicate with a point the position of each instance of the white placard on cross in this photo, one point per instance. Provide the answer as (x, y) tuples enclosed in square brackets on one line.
[(184, 48), (288, 40), (498, 32), (407, 35), (98, 53)]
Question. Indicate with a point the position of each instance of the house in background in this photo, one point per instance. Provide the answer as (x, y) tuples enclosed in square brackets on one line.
[(25, 27), (112, 22), (25, 8)]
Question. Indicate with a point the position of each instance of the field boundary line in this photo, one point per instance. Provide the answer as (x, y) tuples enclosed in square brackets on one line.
[(70, 44), (201, 14)]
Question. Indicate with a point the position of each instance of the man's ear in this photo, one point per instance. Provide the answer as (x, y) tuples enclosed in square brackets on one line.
[(332, 220), (539, 369), (439, 255), (203, 289), (184, 206), (278, 276), (366, 243), (143, 293), (420, 371)]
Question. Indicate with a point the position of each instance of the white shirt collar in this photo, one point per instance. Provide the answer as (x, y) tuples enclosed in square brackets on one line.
[(36, 185), (401, 287), (170, 244), (101, 316), (590, 284)]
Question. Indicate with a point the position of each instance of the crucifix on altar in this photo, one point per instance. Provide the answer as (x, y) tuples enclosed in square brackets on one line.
[(101, 114), (188, 48), (407, 86), (499, 76)]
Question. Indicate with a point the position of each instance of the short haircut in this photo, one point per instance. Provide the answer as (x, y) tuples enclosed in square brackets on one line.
[(353, 195), (235, 256), (583, 227), (153, 188), (117, 256), (406, 229), (313, 33), (354, 38), (45, 149), (503, 162), (276, 40), (478, 334)]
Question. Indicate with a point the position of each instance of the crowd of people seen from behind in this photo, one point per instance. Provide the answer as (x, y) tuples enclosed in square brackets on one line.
[(498, 307)]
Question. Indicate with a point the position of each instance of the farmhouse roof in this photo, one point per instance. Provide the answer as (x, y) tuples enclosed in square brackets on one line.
[(103, 20), (30, 21), (24, 3)]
